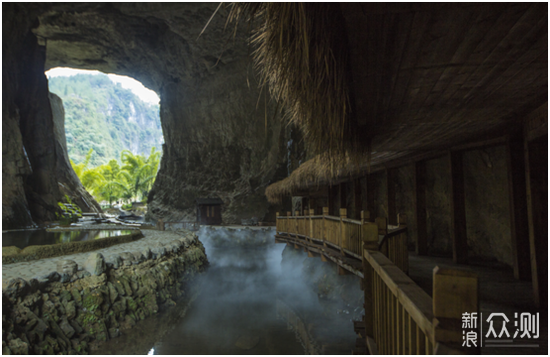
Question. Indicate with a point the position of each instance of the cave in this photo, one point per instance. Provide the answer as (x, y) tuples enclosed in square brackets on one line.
[(223, 136), (405, 145)]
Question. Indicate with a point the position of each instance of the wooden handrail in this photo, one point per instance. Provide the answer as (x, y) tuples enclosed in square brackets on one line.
[(393, 233), (415, 300), (400, 317), (347, 238)]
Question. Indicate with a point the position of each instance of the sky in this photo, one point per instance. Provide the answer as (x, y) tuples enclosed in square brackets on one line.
[(136, 87)]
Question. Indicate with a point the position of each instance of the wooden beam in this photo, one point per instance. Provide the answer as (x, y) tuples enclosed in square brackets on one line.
[(458, 209), (390, 183), (517, 190), (536, 160), (420, 208)]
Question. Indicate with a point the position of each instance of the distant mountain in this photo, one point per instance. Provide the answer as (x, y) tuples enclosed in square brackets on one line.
[(102, 115)]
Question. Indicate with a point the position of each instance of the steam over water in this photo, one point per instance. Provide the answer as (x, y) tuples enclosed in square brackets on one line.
[(238, 305)]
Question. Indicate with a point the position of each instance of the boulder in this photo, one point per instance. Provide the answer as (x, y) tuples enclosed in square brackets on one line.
[(67, 267), (116, 260), (95, 264)]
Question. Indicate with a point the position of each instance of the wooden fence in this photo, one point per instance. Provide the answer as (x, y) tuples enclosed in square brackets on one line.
[(345, 234), (400, 317)]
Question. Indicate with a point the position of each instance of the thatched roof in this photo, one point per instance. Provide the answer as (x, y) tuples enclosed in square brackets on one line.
[(397, 77), (302, 55), (326, 169)]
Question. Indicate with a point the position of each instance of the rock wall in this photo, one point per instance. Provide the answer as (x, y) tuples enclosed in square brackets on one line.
[(72, 311), (438, 206), (404, 204), (487, 204), (218, 144), (69, 184), (29, 190), (222, 135)]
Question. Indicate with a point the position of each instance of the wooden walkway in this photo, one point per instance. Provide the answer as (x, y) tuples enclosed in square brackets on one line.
[(406, 316)]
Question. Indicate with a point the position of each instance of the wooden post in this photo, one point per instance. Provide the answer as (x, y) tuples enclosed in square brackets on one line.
[(401, 219), (343, 230), (517, 189), (369, 236), (390, 183), (458, 209), (358, 200), (296, 225), (277, 222), (536, 159), (161, 224), (309, 226), (370, 196), (382, 224), (454, 293), (420, 208), (323, 231), (288, 223), (365, 216)]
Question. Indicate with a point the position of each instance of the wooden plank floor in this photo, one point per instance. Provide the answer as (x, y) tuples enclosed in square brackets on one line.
[(498, 292)]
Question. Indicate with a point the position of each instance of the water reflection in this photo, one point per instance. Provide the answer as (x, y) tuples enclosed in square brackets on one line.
[(22, 239)]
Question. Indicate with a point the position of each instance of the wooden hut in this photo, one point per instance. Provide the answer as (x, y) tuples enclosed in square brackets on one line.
[(209, 211)]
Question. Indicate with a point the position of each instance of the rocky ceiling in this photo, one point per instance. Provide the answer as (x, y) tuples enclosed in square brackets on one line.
[(222, 135)]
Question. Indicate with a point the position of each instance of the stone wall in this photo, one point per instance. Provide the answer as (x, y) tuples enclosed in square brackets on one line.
[(73, 310)]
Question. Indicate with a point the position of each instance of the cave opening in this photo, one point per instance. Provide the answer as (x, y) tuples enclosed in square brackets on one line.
[(112, 132)]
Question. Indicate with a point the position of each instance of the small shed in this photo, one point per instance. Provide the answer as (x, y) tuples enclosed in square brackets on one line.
[(209, 211)]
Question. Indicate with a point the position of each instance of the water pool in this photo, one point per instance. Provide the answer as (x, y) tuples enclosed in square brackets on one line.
[(25, 238)]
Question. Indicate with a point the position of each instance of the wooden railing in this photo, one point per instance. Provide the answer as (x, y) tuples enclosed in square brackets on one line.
[(401, 318), (345, 234)]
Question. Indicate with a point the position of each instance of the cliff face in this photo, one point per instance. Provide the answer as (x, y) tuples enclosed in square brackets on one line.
[(222, 135), (101, 115), (29, 187), (68, 182)]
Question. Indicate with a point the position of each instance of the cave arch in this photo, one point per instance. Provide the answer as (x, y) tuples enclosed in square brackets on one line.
[(218, 140)]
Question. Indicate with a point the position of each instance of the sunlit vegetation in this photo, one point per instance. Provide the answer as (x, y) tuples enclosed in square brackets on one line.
[(102, 115), (131, 179)]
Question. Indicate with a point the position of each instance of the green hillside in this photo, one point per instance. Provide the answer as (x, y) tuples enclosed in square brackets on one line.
[(102, 115)]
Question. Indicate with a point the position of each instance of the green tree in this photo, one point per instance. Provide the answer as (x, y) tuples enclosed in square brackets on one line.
[(111, 182), (115, 183)]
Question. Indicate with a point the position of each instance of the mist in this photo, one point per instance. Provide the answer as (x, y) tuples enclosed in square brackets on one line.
[(239, 299)]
